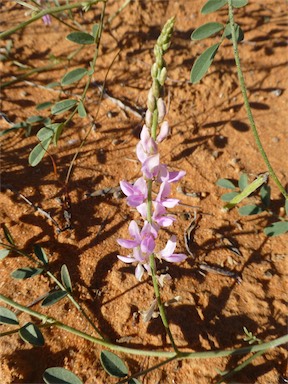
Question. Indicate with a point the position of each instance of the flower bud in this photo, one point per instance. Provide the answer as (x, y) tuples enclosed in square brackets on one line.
[(148, 118), (154, 71), (163, 75), (164, 132), (151, 101), (156, 88), (161, 109)]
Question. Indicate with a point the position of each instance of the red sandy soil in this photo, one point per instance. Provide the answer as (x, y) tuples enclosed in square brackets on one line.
[(210, 139)]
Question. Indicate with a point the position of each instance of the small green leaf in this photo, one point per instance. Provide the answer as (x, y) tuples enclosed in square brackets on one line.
[(65, 277), (26, 273), (81, 110), (4, 253), (35, 119), (206, 30), (95, 30), (113, 364), (58, 132), (239, 3), (225, 183), (31, 334), (276, 229), (243, 181), (229, 196), (286, 206), (248, 210), (45, 134), (38, 152), (238, 31), (73, 76), (63, 106), (133, 381), (8, 317), (58, 375), (8, 235), (42, 106), (53, 298), (212, 6), (81, 38), (247, 191), (40, 254), (53, 85), (265, 193), (202, 63)]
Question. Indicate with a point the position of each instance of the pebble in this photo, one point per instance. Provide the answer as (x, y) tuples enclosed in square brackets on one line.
[(277, 92), (275, 139)]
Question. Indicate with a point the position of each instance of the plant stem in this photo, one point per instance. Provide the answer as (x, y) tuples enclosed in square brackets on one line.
[(181, 355), (47, 11), (247, 105)]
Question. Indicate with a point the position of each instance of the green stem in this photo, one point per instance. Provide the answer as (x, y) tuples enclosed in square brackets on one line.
[(181, 355), (247, 105), (47, 11)]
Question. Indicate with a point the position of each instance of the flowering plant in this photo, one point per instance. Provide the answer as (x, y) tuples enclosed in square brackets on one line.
[(139, 194)]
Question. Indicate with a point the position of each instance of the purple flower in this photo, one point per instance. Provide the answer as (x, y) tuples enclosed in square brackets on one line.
[(171, 177), (159, 216), (136, 193), (143, 244), (167, 253), (162, 197)]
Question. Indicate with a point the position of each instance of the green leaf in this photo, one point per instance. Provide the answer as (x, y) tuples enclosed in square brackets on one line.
[(31, 334), (243, 181), (95, 30), (26, 273), (4, 253), (8, 235), (265, 193), (238, 31), (133, 381), (248, 190), (65, 277), (63, 106), (8, 317), (35, 119), (38, 152), (42, 106), (202, 63), (73, 76), (286, 207), (113, 364), (45, 133), (53, 85), (206, 30), (277, 228), (58, 132), (212, 5), (57, 375), (225, 183), (81, 110), (40, 254), (229, 196), (81, 38), (239, 3), (53, 298), (248, 210)]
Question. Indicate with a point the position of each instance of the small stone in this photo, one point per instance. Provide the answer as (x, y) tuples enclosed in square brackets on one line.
[(277, 92), (275, 139)]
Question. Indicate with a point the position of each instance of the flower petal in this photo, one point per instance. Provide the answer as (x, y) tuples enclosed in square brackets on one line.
[(139, 271), (169, 248), (175, 258), (127, 243), (126, 259)]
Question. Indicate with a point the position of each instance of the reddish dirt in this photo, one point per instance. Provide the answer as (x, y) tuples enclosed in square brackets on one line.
[(210, 139)]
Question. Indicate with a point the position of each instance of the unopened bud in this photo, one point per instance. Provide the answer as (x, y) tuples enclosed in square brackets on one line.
[(164, 132), (162, 76), (154, 71), (148, 118), (161, 109), (151, 101), (155, 88), (165, 46)]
